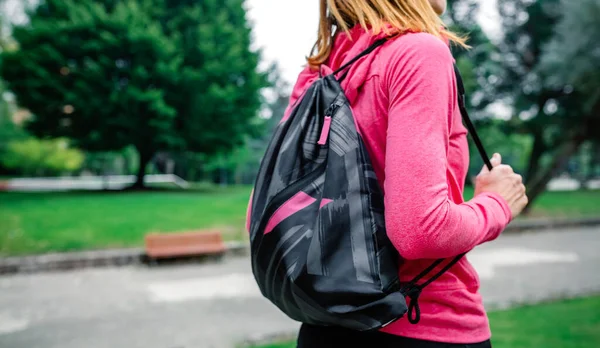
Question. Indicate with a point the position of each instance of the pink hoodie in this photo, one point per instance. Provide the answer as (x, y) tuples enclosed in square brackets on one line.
[(405, 102)]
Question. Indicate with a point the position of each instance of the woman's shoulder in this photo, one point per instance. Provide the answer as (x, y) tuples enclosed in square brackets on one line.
[(416, 49), (413, 53), (418, 45)]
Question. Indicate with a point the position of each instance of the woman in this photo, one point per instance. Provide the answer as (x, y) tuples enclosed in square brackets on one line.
[(404, 100)]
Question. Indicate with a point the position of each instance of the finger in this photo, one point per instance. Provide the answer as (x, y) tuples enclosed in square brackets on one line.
[(484, 170), (517, 195), (496, 160), (524, 200), (518, 180), (504, 169)]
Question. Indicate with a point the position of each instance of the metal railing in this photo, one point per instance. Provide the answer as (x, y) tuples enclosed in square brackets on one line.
[(109, 182)]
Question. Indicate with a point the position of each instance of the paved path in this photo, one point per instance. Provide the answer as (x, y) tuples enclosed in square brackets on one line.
[(217, 305)]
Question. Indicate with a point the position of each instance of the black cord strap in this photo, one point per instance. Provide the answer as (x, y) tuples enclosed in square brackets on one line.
[(465, 116), (359, 56), (412, 289)]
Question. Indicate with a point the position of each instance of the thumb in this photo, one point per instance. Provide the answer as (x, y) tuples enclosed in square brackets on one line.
[(496, 160)]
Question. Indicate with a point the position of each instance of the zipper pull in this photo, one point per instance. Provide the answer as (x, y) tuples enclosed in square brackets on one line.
[(331, 110), (325, 131), (327, 123)]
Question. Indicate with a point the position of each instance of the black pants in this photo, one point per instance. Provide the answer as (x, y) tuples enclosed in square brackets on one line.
[(329, 337)]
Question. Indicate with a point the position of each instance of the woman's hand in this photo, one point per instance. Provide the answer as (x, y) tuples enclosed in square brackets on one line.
[(505, 182)]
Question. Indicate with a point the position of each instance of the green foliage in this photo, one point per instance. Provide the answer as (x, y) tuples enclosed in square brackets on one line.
[(34, 156), (218, 97), (241, 165), (159, 75), (514, 147), (96, 77), (572, 57), (480, 65), (542, 80), (527, 26), (9, 131), (545, 112)]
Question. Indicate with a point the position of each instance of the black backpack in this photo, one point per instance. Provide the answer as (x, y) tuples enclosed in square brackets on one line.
[(319, 247)]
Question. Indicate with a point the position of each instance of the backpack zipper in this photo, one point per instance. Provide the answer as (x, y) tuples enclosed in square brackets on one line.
[(327, 124), (331, 109)]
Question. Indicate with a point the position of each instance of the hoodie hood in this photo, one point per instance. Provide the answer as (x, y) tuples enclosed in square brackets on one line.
[(346, 46)]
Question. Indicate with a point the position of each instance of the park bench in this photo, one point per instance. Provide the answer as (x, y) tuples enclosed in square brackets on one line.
[(184, 244)]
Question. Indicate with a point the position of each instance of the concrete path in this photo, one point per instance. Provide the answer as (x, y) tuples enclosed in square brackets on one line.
[(218, 305)]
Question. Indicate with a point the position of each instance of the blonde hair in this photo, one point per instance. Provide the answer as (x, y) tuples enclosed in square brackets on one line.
[(388, 16)]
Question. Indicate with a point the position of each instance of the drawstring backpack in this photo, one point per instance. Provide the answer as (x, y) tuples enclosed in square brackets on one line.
[(319, 247)]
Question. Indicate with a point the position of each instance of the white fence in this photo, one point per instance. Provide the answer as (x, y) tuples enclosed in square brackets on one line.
[(569, 184), (109, 182), (117, 182)]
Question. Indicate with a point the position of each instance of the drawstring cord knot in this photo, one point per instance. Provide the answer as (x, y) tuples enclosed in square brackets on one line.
[(414, 311)]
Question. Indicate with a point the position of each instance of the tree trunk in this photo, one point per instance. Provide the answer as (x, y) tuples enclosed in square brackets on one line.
[(538, 185), (539, 147), (145, 157), (595, 162)]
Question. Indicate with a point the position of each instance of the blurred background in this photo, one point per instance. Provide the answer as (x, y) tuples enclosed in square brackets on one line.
[(121, 120)]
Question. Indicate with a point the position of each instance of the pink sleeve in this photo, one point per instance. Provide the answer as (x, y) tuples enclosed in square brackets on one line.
[(422, 222)]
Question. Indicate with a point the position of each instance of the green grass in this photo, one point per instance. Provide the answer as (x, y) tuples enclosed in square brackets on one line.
[(565, 324), (562, 204), (44, 222), (33, 223)]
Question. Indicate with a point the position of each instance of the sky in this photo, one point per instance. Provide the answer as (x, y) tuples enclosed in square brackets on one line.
[(286, 30)]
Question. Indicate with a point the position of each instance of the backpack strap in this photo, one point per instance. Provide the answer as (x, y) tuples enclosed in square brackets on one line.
[(465, 116), (359, 56), (412, 290)]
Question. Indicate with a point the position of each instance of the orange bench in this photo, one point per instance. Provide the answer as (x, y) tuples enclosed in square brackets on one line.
[(170, 245)]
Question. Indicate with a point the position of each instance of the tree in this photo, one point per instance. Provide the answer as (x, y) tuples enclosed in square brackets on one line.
[(218, 95), (244, 161), (9, 131), (481, 68), (96, 77), (571, 60), (540, 110), (480, 64), (32, 156), (4, 43), (550, 112), (160, 75), (527, 26)]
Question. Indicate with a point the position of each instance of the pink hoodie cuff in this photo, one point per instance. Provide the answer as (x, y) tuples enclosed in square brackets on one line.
[(498, 213)]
